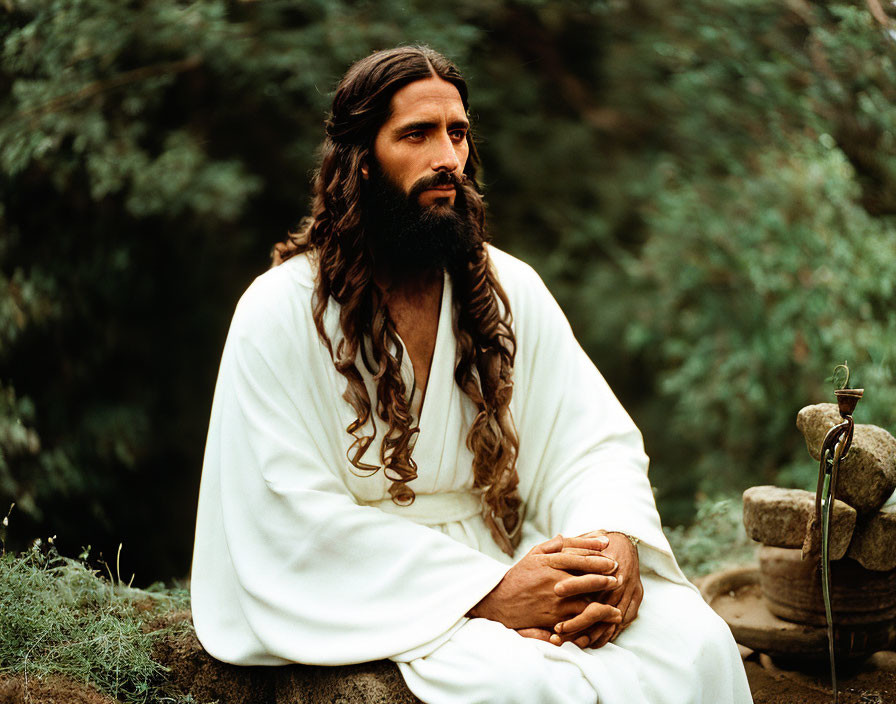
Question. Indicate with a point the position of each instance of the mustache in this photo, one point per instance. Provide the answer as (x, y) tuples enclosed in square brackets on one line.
[(441, 178)]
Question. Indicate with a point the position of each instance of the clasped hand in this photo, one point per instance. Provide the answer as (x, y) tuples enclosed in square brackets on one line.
[(585, 590)]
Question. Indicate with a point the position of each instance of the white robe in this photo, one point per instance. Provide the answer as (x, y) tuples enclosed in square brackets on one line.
[(298, 559)]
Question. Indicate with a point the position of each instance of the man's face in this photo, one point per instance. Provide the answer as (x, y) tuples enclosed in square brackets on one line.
[(425, 136)]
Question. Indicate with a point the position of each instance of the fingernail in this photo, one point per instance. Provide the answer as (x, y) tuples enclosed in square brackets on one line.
[(559, 627), (556, 640), (612, 580), (615, 565)]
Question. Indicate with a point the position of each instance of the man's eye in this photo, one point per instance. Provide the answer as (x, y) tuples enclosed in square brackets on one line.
[(459, 135), (414, 135)]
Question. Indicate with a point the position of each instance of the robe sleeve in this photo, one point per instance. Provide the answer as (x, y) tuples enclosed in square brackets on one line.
[(287, 566), (582, 458)]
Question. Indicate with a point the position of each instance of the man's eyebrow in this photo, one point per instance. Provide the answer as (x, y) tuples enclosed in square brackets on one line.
[(423, 126)]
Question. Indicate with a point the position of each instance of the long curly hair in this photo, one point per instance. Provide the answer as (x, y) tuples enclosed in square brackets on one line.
[(334, 234)]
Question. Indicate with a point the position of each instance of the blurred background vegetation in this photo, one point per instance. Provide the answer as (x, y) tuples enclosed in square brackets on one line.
[(708, 187)]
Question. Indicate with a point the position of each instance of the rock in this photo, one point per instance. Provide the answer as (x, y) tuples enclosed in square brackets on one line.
[(736, 596), (377, 682), (867, 476), (745, 652), (874, 543), (193, 671), (812, 543), (780, 518), (884, 660)]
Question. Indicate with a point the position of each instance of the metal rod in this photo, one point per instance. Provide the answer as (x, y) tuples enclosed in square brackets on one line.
[(826, 576), (834, 449)]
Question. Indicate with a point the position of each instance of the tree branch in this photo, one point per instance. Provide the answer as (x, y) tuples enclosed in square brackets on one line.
[(875, 7)]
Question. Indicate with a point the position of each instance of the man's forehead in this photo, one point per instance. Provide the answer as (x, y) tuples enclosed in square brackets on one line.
[(426, 100)]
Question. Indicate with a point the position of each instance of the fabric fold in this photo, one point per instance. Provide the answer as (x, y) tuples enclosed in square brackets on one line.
[(301, 558)]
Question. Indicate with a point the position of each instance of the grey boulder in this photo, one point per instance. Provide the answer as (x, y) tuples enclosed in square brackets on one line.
[(874, 543), (781, 518), (867, 477)]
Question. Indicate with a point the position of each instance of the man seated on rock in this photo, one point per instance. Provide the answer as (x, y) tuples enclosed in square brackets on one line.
[(402, 421)]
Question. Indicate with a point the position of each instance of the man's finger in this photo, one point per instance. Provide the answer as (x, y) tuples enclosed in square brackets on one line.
[(625, 606), (630, 602), (593, 614), (592, 564), (581, 551), (614, 596), (592, 543), (586, 584), (599, 640), (536, 633), (631, 609), (553, 545), (588, 637)]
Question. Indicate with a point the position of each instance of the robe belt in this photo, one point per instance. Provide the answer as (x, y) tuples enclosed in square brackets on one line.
[(435, 509)]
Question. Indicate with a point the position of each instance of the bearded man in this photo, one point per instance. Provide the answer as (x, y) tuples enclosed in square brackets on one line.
[(403, 418)]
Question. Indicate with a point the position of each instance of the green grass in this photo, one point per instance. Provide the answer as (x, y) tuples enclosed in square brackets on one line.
[(60, 617)]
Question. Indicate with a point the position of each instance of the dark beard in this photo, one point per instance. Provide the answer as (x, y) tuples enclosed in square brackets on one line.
[(408, 240)]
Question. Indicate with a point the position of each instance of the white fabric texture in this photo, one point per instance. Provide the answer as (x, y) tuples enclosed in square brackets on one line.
[(677, 651), (299, 559)]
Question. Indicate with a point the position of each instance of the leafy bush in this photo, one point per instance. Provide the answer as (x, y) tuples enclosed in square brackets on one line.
[(715, 540), (800, 276)]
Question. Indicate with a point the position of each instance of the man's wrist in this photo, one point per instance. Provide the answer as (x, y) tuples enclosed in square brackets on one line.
[(488, 607), (631, 538), (634, 540)]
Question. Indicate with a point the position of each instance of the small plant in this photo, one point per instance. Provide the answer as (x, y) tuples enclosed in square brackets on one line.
[(840, 376), (4, 525), (60, 617)]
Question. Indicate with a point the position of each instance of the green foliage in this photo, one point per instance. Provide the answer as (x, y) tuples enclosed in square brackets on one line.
[(799, 275), (715, 540), (150, 154), (707, 187), (718, 227), (59, 617)]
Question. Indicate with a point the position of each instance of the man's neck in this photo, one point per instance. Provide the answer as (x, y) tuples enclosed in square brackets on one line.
[(407, 290), (414, 306)]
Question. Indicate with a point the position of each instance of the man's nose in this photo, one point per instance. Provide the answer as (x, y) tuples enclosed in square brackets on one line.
[(445, 156)]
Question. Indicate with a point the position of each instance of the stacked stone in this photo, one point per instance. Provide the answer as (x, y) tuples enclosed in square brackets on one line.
[(866, 482), (863, 533), (863, 522)]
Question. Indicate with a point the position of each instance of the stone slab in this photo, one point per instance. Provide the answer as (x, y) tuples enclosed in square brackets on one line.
[(863, 600), (874, 542), (867, 476), (781, 518), (192, 670)]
